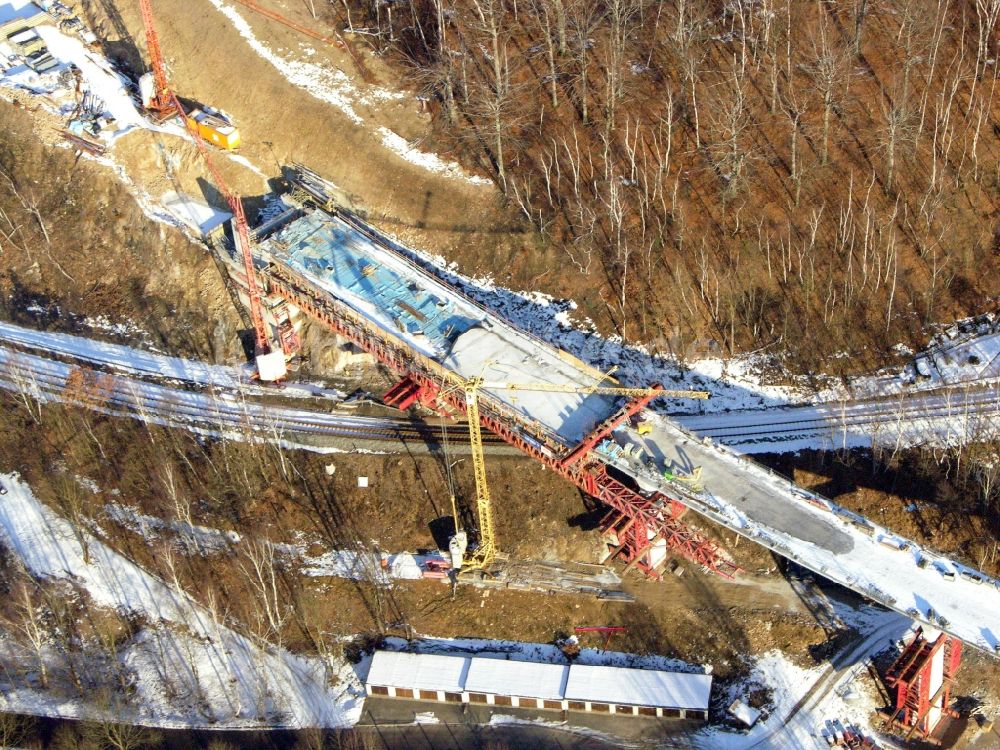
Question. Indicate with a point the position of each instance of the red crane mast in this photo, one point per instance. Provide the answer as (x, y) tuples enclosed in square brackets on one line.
[(162, 100), (241, 231)]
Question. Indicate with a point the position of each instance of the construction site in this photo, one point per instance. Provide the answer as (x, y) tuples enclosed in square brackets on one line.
[(598, 557)]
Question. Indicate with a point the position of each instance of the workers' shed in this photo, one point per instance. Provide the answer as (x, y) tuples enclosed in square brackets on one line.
[(428, 677), (499, 682), (640, 692), (556, 687), (18, 15)]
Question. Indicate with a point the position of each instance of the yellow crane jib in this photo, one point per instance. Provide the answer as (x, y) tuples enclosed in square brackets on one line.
[(595, 389)]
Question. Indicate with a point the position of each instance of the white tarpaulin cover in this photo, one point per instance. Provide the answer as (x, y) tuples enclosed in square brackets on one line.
[(638, 687), (523, 679)]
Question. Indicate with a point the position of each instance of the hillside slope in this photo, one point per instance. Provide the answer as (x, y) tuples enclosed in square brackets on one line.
[(820, 176)]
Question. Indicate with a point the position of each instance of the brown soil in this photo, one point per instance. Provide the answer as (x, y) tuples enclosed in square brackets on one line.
[(115, 262), (281, 123), (90, 251)]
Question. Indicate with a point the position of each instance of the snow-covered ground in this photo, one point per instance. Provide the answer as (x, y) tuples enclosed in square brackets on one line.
[(191, 538), (804, 703), (431, 162), (198, 215), (99, 79), (325, 83), (188, 668), (139, 362), (358, 565)]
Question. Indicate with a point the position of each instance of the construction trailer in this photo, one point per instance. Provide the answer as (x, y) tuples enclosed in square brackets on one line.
[(214, 128), (921, 681), (159, 100)]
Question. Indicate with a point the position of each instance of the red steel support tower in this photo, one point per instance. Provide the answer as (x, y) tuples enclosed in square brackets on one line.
[(641, 520), (922, 679)]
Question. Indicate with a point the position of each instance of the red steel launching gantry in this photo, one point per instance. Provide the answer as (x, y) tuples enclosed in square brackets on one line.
[(637, 522)]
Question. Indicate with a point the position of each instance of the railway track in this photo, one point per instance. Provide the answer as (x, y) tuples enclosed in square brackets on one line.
[(212, 398), (982, 402), (35, 377)]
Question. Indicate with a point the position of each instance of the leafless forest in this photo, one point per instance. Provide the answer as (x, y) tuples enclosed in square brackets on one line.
[(820, 176)]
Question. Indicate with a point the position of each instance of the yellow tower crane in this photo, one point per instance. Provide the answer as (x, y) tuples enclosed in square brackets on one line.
[(484, 555)]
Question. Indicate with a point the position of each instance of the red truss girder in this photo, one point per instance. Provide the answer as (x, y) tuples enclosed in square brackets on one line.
[(657, 512)]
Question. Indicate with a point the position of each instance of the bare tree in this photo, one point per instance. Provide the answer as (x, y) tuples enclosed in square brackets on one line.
[(70, 500), (794, 112), (29, 622), (729, 120), (13, 729), (898, 131), (496, 98), (620, 15), (26, 387), (987, 17), (692, 25), (829, 67), (585, 17), (545, 14), (117, 736), (860, 13), (258, 564)]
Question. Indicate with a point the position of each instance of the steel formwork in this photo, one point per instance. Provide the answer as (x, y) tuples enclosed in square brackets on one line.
[(426, 381)]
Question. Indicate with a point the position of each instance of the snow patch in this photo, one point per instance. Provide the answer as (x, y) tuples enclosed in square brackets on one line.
[(323, 82), (432, 162), (189, 668)]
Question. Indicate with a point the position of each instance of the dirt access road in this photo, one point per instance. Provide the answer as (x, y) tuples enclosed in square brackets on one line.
[(341, 137)]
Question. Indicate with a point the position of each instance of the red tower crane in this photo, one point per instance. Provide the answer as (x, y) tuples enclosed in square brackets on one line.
[(158, 98), (163, 100), (270, 365)]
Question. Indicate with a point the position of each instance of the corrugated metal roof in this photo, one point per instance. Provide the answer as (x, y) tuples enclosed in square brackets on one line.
[(638, 687), (579, 682), (420, 671), (523, 679)]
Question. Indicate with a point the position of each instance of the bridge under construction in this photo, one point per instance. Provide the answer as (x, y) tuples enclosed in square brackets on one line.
[(325, 262)]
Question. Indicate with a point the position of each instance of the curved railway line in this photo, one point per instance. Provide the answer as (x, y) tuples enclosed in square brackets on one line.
[(981, 402), (209, 411), (215, 399)]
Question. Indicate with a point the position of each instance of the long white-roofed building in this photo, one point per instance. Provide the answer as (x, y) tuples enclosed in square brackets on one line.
[(556, 687)]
